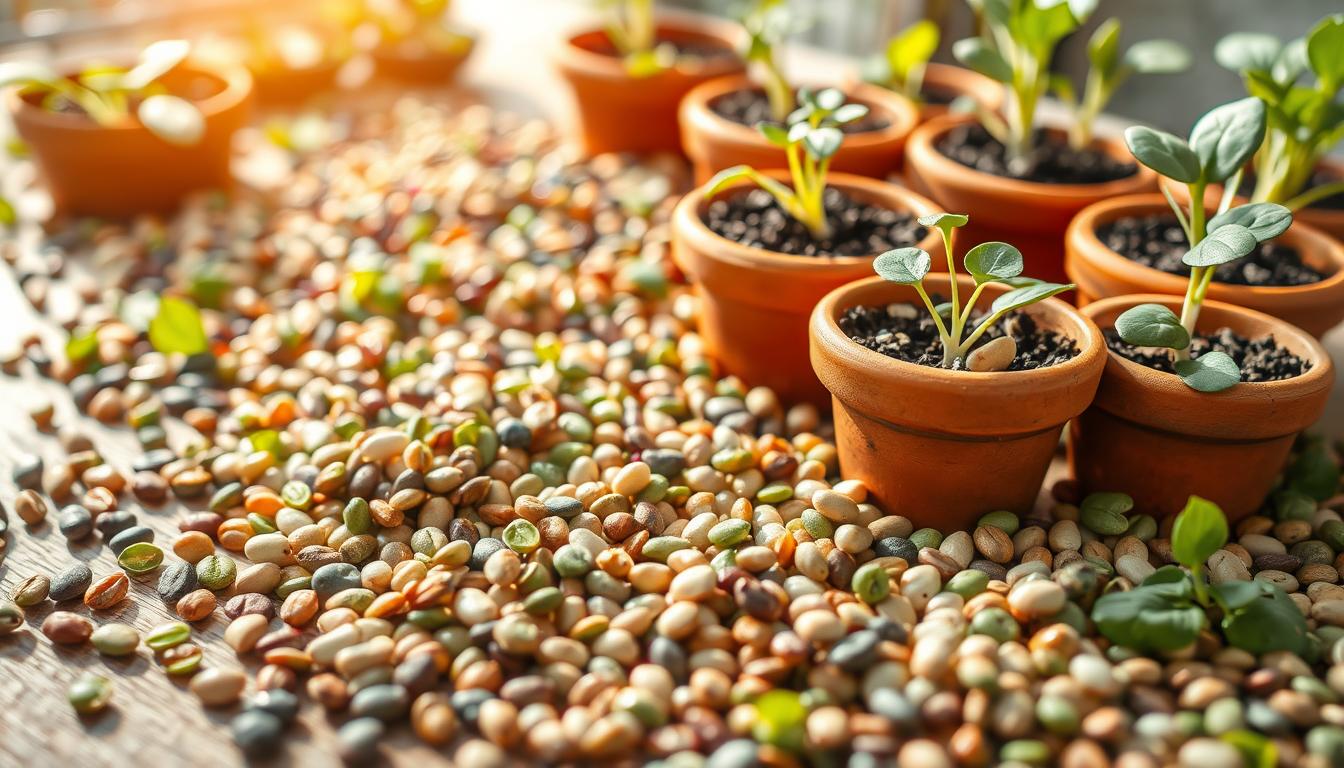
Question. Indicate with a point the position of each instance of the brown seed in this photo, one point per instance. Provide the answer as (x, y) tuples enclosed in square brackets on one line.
[(107, 591), (197, 605), (149, 487), (994, 543), (31, 590), (65, 628), (272, 677), (299, 607), (433, 718), (244, 632), (249, 603), (329, 691), (30, 507)]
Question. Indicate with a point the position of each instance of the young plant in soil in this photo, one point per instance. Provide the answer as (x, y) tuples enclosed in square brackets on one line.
[(108, 94), (812, 137), (992, 262), (1170, 608), (1017, 50), (1305, 120), (631, 30), (1220, 144), (901, 66), (767, 23)]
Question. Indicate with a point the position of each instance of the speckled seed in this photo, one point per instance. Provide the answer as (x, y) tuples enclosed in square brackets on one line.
[(71, 583), (216, 572)]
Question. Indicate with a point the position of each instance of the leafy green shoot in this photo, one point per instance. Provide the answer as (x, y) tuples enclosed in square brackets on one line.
[(107, 94), (1220, 144), (768, 23), (987, 263), (901, 66), (1108, 71), (631, 29), (810, 140), (1306, 119)]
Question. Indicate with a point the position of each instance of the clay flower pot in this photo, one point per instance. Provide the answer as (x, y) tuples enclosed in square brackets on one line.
[(948, 82), (618, 112), (1327, 220), (1030, 215), (1103, 273), (754, 303), (123, 170), (714, 142), (944, 447), (285, 86), (414, 62), (1154, 438)]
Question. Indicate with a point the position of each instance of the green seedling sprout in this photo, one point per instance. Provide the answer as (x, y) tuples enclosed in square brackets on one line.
[(631, 29), (1108, 71), (988, 263), (767, 23), (1305, 119), (106, 93), (812, 137), (901, 66), (1220, 144)]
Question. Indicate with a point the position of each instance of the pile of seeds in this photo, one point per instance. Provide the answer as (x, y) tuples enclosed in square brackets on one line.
[(457, 464)]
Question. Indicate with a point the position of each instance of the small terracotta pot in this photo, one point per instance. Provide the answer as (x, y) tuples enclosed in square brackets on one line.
[(944, 447), (1328, 220), (419, 64), (1103, 273), (1029, 215), (754, 303), (620, 113), (713, 142), (1152, 437), (954, 81), (123, 170)]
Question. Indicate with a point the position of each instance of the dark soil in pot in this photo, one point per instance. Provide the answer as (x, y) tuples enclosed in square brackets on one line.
[(906, 332), (1051, 162), (938, 96), (752, 106), (1159, 242), (1260, 359), (858, 229)]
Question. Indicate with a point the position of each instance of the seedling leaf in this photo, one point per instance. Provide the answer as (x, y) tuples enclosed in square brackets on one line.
[(1325, 49), (156, 61), (1225, 137), (1152, 325), (906, 266), (912, 47), (1265, 221), (941, 220), (830, 99), (1210, 372), (1199, 531), (849, 113), (1227, 243), (823, 142), (976, 54), (177, 327), (1158, 615), (1167, 154), (1103, 48), (1157, 57), (1249, 607), (1026, 296), (173, 119), (1242, 51), (993, 261)]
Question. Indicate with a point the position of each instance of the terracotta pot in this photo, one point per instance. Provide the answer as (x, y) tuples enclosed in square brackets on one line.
[(1029, 215), (1149, 435), (1328, 220), (713, 142), (123, 170), (755, 303), (284, 86), (1103, 273), (944, 447), (420, 64), (953, 81), (620, 113)]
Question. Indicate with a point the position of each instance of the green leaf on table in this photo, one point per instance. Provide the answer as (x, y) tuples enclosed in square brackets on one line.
[(1314, 471), (1265, 221), (1199, 531), (1227, 243), (1226, 136), (1250, 608), (1210, 372), (993, 261), (1241, 51), (1152, 325), (177, 327), (1158, 615), (1325, 49), (977, 54), (1028, 295), (906, 266), (1157, 57), (1167, 154)]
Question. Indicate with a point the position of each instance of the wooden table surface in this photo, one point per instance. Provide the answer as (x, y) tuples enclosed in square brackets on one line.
[(154, 720)]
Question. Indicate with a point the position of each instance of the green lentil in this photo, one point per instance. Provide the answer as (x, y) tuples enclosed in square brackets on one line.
[(521, 536), (871, 583), (926, 537), (776, 493), (357, 517), (968, 583), (729, 533), (660, 547)]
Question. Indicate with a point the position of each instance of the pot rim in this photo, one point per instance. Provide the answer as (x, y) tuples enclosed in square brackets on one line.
[(237, 85), (570, 55), (921, 141), (902, 115), (688, 220), (1083, 231)]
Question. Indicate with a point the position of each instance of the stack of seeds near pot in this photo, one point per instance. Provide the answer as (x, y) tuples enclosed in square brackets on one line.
[(576, 543)]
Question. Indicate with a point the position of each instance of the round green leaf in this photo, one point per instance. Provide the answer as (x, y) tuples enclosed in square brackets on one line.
[(1199, 531), (1103, 48), (177, 327), (906, 266), (799, 130), (1152, 325), (1210, 372), (1265, 221), (830, 99), (1225, 137), (1241, 51), (1150, 617), (942, 220), (1291, 62), (823, 142), (848, 113), (1167, 154), (1157, 57), (912, 47), (1227, 243), (975, 53), (993, 261), (1325, 49), (1022, 297)]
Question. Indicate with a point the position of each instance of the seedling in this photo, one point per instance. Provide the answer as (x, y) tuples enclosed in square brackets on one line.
[(901, 66), (1020, 42), (1219, 146), (631, 30), (987, 262), (767, 23), (1170, 608), (108, 94), (1109, 70), (812, 137), (1305, 120)]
